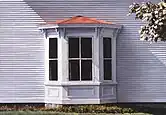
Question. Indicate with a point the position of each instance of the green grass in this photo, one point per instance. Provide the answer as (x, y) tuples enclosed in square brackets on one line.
[(59, 113)]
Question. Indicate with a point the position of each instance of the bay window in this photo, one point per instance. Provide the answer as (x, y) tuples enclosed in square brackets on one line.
[(81, 65)]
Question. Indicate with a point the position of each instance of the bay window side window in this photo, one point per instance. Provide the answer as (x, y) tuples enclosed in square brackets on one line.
[(53, 64), (107, 58)]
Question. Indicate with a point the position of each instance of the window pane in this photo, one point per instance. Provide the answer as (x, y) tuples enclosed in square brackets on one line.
[(86, 70), (74, 73), (53, 70), (53, 48), (107, 47), (73, 47), (107, 70), (86, 47)]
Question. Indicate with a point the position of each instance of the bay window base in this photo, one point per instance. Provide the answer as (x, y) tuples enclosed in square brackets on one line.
[(97, 93), (79, 101)]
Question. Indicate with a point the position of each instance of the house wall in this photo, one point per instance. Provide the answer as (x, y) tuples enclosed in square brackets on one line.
[(141, 70), (21, 54), (141, 67)]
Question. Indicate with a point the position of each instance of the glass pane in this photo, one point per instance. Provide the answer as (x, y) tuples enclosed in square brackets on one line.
[(86, 47), (107, 70), (107, 47), (74, 72), (86, 70), (73, 47), (53, 70), (53, 48)]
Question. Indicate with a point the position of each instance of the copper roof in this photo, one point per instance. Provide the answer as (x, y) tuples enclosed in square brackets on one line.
[(80, 20)]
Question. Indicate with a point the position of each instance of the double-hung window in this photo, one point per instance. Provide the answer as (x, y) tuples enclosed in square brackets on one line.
[(53, 62), (80, 59), (107, 58)]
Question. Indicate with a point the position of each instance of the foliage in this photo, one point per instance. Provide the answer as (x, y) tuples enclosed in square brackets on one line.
[(59, 113), (118, 109), (155, 17), (71, 109), (94, 109)]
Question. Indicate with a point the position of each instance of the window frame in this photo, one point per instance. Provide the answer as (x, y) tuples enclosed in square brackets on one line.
[(80, 58), (53, 58), (107, 59), (47, 59), (113, 58), (92, 59)]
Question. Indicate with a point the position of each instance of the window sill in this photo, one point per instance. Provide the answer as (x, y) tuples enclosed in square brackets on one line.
[(78, 83)]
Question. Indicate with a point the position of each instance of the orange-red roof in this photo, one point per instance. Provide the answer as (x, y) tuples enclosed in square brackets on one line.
[(80, 20)]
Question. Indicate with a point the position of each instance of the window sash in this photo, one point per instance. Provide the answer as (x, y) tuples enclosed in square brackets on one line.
[(106, 73), (107, 58), (53, 60), (53, 48), (80, 59), (107, 47), (53, 70)]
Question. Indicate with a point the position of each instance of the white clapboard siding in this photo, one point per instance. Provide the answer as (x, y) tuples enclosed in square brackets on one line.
[(21, 54), (141, 67)]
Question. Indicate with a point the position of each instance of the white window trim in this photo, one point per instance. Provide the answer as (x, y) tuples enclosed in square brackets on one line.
[(82, 36), (113, 61), (52, 58), (113, 37), (46, 63), (47, 59), (108, 59)]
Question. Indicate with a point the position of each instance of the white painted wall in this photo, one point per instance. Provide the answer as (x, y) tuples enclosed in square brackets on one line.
[(141, 70)]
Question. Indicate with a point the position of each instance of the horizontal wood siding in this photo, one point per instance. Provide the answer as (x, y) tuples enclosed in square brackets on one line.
[(21, 54), (141, 67)]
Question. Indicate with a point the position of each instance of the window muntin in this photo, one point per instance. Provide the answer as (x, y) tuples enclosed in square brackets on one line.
[(53, 64), (80, 63), (107, 58)]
